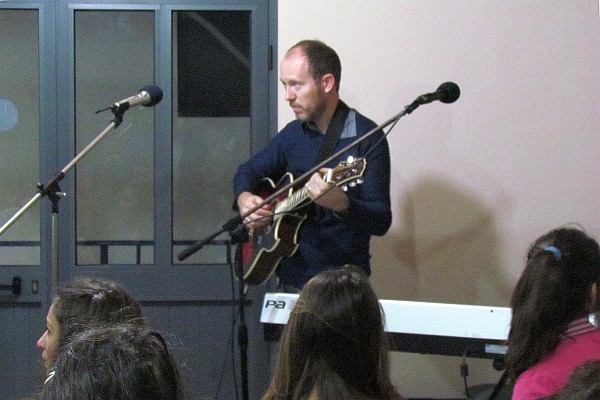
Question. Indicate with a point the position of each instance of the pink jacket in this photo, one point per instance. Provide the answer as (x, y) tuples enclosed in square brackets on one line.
[(580, 344)]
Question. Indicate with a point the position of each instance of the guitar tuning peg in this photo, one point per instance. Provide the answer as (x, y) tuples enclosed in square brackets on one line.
[(352, 184), (359, 181), (344, 188)]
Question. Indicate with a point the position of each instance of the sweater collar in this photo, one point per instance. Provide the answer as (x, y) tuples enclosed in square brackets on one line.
[(341, 106), (579, 326)]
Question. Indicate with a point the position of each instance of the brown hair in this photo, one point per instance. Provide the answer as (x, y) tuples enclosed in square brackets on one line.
[(334, 345), (88, 302)]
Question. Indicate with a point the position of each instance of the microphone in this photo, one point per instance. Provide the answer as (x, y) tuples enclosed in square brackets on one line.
[(448, 92), (148, 96)]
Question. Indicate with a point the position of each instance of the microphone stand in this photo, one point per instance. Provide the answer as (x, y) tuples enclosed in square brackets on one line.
[(237, 236), (235, 225), (52, 190)]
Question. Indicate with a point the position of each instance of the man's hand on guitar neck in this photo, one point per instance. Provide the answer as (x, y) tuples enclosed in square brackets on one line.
[(247, 201), (326, 193)]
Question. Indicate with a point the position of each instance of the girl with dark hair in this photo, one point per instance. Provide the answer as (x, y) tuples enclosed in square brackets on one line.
[(118, 362), (554, 307), (81, 304), (334, 346)]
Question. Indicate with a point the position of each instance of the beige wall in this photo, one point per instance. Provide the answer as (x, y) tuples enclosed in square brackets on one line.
[(473, 182)]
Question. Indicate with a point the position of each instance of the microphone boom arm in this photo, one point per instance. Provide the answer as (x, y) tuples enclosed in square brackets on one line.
[(52, 185)]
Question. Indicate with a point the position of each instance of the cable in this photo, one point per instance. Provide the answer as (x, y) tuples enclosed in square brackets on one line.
[(230, 345), (464, 372)]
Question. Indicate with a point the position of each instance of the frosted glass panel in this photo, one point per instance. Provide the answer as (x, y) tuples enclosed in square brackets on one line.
[(114, 59), (211, 123), (19, 135)]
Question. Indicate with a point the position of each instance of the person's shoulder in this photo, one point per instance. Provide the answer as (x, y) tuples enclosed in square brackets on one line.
[(534, 383), (363, 122), (293, 134), (292, 126), (361, 117)]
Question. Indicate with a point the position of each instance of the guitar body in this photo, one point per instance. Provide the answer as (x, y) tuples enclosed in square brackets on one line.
[(266, 247), (268, 244)]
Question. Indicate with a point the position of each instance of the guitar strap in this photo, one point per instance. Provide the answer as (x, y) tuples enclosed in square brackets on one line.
[(334, 131)]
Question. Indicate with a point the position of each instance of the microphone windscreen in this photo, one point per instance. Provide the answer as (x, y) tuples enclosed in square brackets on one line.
[(451, 92), (155, 94)]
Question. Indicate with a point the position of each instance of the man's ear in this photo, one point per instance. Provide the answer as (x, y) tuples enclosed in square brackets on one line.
[(328, 82)]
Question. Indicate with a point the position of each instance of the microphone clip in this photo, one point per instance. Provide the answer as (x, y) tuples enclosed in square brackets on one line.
[(117, 108), (412, 106), (102, 110), (118, 111)]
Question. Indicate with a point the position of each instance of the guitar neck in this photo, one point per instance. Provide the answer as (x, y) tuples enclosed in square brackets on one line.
[(291, 202), (343, 173)]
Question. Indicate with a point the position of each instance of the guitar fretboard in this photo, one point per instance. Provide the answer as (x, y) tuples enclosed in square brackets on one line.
[(290, 202), (344, 172)]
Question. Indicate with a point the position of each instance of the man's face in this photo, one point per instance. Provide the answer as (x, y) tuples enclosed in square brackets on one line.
[(48, 342), (305, 95)]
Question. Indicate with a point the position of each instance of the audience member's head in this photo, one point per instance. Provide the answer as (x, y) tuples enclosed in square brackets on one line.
[(117, 362), (81, 304), (583, 383), (559, 285), (334, 345)]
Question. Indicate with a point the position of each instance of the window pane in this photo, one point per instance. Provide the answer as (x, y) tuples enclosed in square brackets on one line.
[(213, 64), (211, 122), (19, 135), (114, 59)]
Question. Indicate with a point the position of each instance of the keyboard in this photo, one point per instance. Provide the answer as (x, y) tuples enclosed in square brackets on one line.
[(419, 327)]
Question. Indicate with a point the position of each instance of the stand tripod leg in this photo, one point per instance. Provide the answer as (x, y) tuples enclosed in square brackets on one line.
[(55, 275), (237, 268)]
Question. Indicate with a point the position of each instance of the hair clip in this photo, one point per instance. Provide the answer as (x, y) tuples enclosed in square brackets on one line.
[(555, 251), (98, 296), (50, 376)]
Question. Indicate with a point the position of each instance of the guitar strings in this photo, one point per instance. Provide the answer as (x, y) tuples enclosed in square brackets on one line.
[(384, 135)]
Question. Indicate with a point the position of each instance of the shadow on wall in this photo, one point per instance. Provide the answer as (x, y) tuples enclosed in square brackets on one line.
[(445, 251)]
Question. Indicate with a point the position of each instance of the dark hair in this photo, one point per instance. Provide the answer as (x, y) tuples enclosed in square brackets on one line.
[(322, 60), (118, 362), (87, 302), (553, 290), (334, 344)]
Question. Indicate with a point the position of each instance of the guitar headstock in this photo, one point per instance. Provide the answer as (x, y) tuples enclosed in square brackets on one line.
[(347, 173)]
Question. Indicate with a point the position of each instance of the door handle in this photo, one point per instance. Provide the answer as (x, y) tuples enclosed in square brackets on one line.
[(15, 288)]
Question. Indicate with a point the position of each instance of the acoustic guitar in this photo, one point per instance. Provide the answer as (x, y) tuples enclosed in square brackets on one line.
[(268, 244)]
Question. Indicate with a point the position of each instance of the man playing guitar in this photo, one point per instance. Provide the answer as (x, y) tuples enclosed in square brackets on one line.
[(332, 227)]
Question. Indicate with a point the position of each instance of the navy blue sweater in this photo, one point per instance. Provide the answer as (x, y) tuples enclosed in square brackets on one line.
[(327, 240)]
